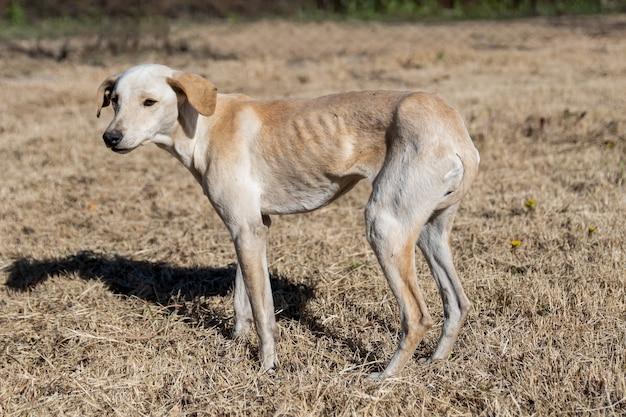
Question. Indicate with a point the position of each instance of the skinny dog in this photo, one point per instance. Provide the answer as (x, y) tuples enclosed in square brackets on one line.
[(256, 158)]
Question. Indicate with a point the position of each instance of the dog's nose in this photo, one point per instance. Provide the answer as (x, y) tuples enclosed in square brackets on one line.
[(112, 137)]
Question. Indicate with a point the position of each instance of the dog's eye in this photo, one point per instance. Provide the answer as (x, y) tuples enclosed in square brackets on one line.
[(148, 102), (114, 99)]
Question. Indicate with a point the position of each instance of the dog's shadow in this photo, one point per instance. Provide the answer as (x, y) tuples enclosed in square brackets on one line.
[(158, 282), (176, 288)]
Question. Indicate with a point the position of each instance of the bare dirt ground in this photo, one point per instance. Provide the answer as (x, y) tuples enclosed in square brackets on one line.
[(118, 274)]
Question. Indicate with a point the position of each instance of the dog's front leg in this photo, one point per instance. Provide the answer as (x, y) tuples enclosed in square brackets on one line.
[(243, 310), (251, 243)]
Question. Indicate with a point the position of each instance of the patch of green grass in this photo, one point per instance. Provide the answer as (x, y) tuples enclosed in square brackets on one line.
[(15, 13), (60, 27), (47, 28), (17, 23), (459, 9)]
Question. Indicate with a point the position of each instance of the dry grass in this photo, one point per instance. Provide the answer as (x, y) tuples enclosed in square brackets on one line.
[(118, 273)]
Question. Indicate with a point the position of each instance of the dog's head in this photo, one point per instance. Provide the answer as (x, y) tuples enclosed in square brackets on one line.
[(149, 101)]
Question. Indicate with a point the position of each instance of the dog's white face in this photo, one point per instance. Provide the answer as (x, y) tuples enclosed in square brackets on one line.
[(149, 101), (145, 106)]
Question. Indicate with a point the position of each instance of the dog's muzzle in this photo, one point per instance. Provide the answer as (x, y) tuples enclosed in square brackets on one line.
[(112, 138)]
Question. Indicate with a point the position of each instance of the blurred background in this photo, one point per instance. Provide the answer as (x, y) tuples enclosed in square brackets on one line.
[(19, 11), (119, 26)]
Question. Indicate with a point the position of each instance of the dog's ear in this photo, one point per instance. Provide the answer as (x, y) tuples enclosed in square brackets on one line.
[(200, 92), (104, 92)]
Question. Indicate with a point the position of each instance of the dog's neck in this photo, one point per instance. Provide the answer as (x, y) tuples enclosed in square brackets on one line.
[(191, 137), (183, 146)]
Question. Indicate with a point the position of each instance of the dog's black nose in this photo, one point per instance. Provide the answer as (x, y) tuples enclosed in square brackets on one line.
[(112, 137)]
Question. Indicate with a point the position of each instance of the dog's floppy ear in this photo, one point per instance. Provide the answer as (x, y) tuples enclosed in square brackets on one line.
[(200, 92), (104, 92)]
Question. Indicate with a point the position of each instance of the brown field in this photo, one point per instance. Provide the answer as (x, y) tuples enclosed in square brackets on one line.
[(117, 298)]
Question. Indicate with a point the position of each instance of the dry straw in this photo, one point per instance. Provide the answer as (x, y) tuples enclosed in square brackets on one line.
[(118, 274)]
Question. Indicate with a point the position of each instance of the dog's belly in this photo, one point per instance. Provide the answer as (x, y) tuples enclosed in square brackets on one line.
[(303, 196), (306, 174)]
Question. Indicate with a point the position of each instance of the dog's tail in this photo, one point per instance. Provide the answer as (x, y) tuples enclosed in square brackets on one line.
[(469, 160)]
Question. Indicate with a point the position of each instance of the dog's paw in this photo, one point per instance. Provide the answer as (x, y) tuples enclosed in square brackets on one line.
[(241, 331), (269, 370), (376, 376), (436, 358)]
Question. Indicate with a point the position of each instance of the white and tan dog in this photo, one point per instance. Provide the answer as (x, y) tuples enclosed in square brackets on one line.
[(256, 158)]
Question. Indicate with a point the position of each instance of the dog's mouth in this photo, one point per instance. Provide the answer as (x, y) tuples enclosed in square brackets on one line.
[(120, 151)]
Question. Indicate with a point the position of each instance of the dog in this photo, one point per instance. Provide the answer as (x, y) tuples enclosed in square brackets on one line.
[(258, 158)]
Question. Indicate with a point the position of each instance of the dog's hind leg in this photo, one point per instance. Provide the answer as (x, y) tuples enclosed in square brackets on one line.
[(435, 245), (394, 245), (401, 203)]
